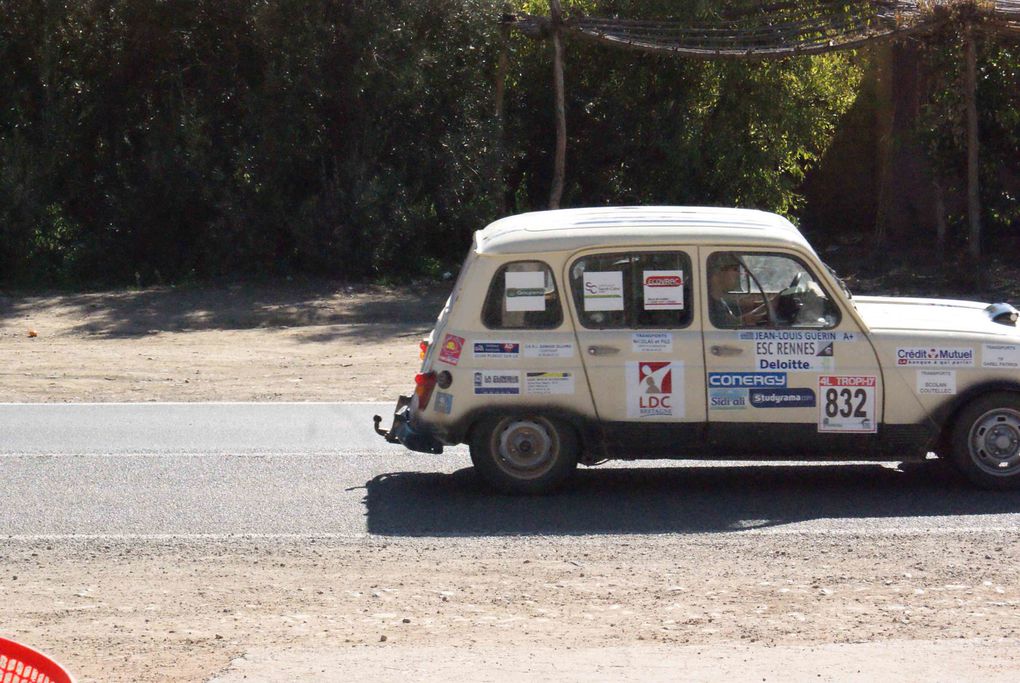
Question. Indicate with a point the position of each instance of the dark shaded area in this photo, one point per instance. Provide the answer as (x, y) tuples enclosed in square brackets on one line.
[(673, 500), (363, 311)]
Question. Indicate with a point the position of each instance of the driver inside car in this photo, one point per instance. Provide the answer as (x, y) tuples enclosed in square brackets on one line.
[(725, 274)]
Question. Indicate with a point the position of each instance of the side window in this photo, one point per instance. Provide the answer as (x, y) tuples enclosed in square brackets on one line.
[(639, 290), (522, 295), (766, 290)]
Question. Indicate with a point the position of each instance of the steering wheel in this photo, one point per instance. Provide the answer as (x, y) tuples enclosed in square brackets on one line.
[(789, 302)]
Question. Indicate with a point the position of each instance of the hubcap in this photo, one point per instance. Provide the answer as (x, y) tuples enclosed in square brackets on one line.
[(995, 442), (526, 447)]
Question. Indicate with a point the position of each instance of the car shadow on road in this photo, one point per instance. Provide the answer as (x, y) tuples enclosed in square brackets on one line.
[(653, 500)]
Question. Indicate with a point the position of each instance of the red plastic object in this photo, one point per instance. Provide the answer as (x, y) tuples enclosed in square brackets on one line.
[(21, 664)]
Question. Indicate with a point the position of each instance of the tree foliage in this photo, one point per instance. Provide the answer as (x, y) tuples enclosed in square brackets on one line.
[(145, 140)]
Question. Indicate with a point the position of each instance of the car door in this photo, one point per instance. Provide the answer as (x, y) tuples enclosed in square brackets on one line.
[(788, 371), (639, 334)]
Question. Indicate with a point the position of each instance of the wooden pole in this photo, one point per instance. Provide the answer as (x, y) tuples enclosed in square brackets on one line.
[(501, 68), (973, 190), (559, 163)]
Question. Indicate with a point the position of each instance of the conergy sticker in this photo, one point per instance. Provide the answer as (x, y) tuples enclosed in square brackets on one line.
[(746, 379), (935, 356), (450, 351), (936, 382), (548, 383), (497, 382), (1000, 356), (655, 389), (846, 403)]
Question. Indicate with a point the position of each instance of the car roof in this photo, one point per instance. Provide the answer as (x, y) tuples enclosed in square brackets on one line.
[(572, 229)]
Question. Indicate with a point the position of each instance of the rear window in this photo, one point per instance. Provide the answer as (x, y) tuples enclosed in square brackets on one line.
[(633, 290), (522, 295)]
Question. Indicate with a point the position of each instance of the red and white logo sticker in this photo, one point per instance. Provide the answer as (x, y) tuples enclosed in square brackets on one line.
[(650, 389), (450, 351)]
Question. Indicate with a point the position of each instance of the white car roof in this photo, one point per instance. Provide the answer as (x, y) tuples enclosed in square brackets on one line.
[(572, 229)]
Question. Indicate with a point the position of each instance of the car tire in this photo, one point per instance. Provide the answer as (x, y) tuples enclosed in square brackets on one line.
[(986, 441), (523, 454)]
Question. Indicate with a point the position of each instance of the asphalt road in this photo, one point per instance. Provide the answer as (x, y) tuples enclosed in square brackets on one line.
[(279, 470)]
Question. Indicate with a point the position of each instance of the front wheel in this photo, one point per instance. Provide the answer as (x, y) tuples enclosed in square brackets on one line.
[(523, 454), (986, 441)]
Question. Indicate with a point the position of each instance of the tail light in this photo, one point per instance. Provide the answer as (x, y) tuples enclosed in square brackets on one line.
[(423, 347), (424, 383)]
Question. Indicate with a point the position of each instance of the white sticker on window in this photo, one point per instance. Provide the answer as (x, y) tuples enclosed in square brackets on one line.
[(664, 290), (603, 291), (938, 382), (525, 291), (651, 342)]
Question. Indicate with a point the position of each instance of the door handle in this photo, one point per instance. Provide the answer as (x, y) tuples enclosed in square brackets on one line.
[(718, 350), (602, 350)]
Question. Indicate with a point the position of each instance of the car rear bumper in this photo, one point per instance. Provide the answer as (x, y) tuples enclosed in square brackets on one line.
[(412, 437)]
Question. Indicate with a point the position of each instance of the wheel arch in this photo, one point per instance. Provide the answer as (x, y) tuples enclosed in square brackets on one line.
[(585, 428), (945, 415)]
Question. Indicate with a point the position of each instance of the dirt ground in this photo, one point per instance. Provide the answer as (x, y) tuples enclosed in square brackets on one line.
[(378, 609), (322, 342)]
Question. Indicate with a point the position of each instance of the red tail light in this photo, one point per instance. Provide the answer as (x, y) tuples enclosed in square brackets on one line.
[(424, 383), (423, 347)]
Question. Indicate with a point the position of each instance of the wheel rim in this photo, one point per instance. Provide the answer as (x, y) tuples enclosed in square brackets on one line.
[(995, 442), (526, 448)]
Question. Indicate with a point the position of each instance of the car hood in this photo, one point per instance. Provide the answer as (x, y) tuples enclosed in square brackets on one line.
[(930, 315)]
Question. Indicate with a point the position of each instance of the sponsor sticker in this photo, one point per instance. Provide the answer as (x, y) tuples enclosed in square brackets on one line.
[(663, 290), (505, 350), (746, 379), (652, 342), (449, 352), (935, 356), (1000, 356), (781, 398), (655, 389), (525, 291), (550, 350), (497, 382), (794, 355), (846, 403), (603, 291), (797, 335), (727, 399), (547, 383), (936, 382), (444, 402)]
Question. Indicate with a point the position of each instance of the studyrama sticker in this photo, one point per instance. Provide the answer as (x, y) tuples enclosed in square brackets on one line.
[(846, 403), (655, 389), (663, 290), (449, 352)]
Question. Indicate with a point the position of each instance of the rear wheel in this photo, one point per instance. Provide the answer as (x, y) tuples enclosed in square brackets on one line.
[(524, 454), (986, 441)]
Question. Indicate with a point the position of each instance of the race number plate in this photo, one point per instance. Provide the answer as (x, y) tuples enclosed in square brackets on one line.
[(846, 403)]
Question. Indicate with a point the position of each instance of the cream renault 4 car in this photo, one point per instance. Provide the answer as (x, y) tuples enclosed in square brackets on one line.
[(578, 336)]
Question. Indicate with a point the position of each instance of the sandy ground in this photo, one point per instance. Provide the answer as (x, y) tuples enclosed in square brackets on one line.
[(741, 606), (324, 342), (753, 607)]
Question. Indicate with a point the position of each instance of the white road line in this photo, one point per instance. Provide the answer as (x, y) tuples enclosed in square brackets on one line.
[(205, 403)]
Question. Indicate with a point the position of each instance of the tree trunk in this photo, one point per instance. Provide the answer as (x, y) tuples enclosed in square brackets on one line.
[(559, 164), (973, 190)]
